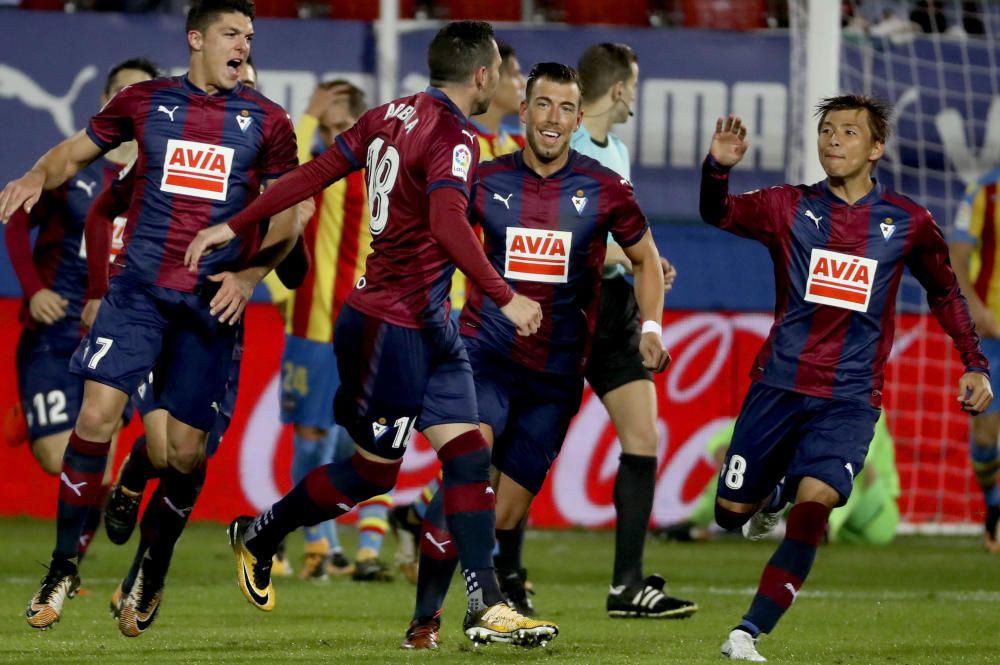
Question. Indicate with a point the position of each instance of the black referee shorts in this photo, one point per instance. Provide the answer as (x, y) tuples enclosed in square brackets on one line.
[(615, 359)]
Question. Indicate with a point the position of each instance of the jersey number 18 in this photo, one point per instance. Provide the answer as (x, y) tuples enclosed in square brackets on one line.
[(382, 168)]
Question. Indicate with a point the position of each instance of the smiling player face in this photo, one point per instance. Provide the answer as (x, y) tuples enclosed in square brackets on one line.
[(222, 50), (550, 116)]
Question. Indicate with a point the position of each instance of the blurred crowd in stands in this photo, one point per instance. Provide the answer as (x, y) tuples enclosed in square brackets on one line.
[(876, 18)]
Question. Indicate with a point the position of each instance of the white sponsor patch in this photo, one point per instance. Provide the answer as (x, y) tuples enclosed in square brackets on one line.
[(538, 255), (461, 161), (197, 169), (840, 280)]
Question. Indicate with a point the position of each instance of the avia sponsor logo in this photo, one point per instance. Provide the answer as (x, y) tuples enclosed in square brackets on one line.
[(197, 169), (538, 255), (840, 280)]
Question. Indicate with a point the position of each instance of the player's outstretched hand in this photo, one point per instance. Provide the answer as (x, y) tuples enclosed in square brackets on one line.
[(669, 274), (974, 392), (233, 296), (524, 313), (729, 143), (25, 191), (47, 306), (655, 356), (207, 239), (89, 314)]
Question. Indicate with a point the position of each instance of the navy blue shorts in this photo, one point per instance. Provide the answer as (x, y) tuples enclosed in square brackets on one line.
[(781, 433), (529, 412), (148, 397), (141, 327), (309, 380), (50, 395), (394, 379)]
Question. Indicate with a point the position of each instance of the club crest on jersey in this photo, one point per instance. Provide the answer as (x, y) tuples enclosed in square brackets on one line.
[(197, 169), (887, 228), (461, 160), (840, 280), (244, 120), (579, 201), (538, 255), (378, 428)]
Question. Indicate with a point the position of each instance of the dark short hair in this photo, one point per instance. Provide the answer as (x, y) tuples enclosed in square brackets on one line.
[(879, 112), (356, 102), (458, 50), (506, 52), (204, 13), (551, 71), (139, 64), (603, 65)]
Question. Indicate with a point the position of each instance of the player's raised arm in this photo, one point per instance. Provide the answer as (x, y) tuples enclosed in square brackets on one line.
[(53, 169), (751, 215), (729, 142)]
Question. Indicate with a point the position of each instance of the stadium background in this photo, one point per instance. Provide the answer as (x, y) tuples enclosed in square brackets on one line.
[(52, 66)]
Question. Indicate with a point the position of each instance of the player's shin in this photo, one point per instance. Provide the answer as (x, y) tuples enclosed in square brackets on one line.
[(438, 559), (634, 489), (788, 567), (469, 504), (138, 469), (180, 492), (325, 493), (79, 486)]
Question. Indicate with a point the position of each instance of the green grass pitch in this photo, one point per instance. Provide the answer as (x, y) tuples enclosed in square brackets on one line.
[(923, 600)]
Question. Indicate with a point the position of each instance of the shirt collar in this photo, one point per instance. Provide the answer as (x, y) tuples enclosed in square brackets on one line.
[(439, 95)]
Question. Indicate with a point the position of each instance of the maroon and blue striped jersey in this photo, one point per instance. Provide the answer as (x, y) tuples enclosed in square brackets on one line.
[(410, 147), (202, 158), (547, 237), (59, 258), (837, 269)]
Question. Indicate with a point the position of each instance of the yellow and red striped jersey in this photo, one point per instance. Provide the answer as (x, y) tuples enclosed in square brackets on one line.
[(339, 240), (978, 223), (491, 146)]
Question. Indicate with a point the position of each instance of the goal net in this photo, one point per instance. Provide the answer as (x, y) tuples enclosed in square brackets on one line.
[(941, 70)]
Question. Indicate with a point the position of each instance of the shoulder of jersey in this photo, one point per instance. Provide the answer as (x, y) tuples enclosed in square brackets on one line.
[(257, 97), (497, 164), (143, 87), (590, 166), (916, 210)]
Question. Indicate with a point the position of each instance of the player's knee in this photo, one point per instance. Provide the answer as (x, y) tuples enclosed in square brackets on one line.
[(186, 458), (639, 440), (730, 519), (95, 423)]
